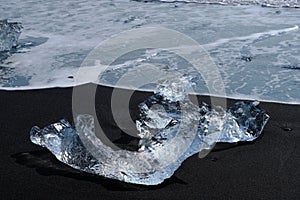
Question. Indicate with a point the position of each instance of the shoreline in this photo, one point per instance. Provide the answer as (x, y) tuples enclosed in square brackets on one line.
[(232, 97), (265, 168)]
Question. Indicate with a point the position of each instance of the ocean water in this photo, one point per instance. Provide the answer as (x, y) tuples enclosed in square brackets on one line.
[(255, 44)]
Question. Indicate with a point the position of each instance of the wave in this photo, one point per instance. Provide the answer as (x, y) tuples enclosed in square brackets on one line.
[(61, 77), (264, 3), (252, 37), (256, 49)]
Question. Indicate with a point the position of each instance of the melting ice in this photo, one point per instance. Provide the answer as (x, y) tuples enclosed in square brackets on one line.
[(171, 128)]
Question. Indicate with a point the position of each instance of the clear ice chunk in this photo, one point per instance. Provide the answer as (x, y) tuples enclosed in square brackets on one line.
[(9, 34), (171, 128)]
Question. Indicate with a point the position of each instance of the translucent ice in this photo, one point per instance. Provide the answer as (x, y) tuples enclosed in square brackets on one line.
[(9, 34), (171, 128)]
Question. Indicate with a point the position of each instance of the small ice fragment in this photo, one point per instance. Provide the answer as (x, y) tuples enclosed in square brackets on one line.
[(9, 34)]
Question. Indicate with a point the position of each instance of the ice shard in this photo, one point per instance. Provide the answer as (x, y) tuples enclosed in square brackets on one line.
[(9, 34), (171, 128)]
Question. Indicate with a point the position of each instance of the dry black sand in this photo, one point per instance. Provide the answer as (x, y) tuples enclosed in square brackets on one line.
[(265, 169)]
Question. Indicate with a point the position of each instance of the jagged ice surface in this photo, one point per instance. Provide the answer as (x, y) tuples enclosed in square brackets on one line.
[(171, 128)]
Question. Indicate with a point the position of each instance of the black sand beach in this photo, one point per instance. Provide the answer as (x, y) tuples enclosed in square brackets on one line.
[(265, 169)]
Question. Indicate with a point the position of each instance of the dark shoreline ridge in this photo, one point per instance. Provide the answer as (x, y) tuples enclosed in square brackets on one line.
[(267, 168)]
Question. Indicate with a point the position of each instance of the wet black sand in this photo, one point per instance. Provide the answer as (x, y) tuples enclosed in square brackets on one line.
[(265, 169)]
